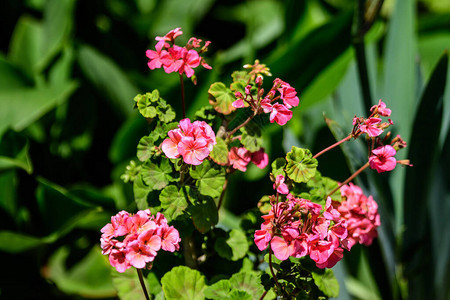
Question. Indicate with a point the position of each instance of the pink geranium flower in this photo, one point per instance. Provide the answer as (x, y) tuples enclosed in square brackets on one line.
[(193, 142), (370, 127), (280, 114), (145, 236), (260, 158), (239, 158), (280, 186), (381, 109), (383, 159)]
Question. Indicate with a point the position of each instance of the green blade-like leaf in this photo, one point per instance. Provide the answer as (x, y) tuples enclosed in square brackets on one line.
[(210, 178), (13, 242), (173, 201), (108, 78), (90, 277), (423, 155), (183, 283), (19, 108), (301, 166), (14, 152)]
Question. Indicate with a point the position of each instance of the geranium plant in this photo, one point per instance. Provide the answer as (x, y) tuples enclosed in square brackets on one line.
[(181, 177)]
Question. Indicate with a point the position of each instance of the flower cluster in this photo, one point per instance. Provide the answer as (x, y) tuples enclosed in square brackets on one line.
[(360, 214), (382, 152), (279, 112), (298, 227), (174, 58), (372, 126), (193, 141), (134, 240), (239, 158)]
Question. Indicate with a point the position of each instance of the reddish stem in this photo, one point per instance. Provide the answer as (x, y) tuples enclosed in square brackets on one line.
[(141, 280), (332, 146), (349, 179)]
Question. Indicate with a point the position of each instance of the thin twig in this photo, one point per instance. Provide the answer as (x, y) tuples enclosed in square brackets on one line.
[(332, 146), (349, 179)]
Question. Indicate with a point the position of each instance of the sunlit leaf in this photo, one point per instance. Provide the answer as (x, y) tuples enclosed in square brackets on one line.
[(301, 167), (221, 98), (251, 138), (218, 290), (157, 176), (210, 178), (183, 283), (234, 247), (219, 154), (327, 283)]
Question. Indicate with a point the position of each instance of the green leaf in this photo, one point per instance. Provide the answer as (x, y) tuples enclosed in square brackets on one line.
[(14, 152), (234, 247), (251, 138), (21, 107), (141, 191), (204, 214), (13, 242), (278, 167), (419, 179), (109, 79), (90, 277), (157, 176), (210, 178), (249, 282), (183, 283), (301, 167), (239, 295), (145, 148), (219, 154), (327, 283), (221, 98), (128, 286), (173, 201), (218, 290)]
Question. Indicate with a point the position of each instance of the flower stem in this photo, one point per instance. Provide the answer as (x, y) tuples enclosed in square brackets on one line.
[(183, 106), (349, 179), (224, 188), (332, 146), (271, 269), (242, 125), (141, 280), (263, 295)]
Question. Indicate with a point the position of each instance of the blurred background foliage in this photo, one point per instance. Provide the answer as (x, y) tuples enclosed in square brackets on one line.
[(69, 70)]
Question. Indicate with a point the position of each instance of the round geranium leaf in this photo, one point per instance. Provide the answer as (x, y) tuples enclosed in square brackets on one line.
[(301, 166)]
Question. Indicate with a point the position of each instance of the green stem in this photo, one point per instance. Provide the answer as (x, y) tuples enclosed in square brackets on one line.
[(183, 106), (349, 179), (332, 146), (141, 280), (271, 269)]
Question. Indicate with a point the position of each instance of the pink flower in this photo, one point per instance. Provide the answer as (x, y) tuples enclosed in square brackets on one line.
[(281, 248), (118, 260), (145, 236), (171, 35), (193, 142), (381, 109), (239, 158), (191, 60), (193, 150), (370, 127), (280, 114), (288, 95), (260, 158), (155, 57), (169, 238), (383, 159), (280, 186)]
